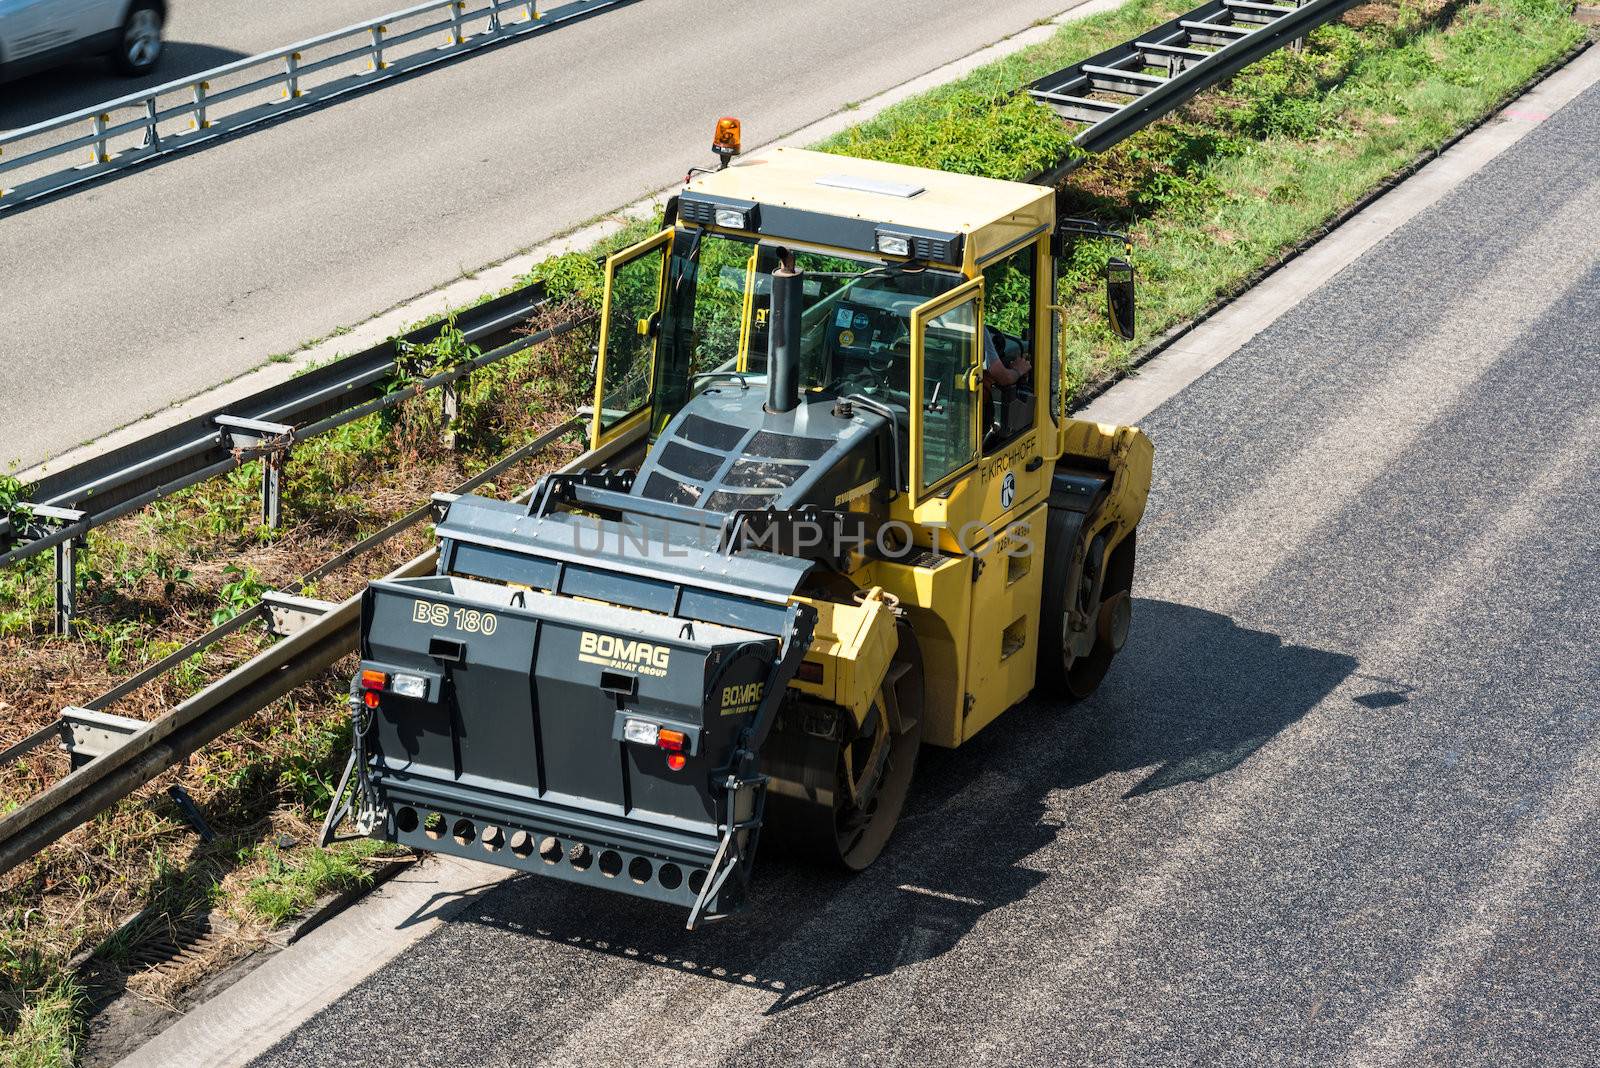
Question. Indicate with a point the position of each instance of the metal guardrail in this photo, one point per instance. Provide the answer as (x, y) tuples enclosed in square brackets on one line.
[(1126, 88), (58, 153), (64, 506), (139, 750)]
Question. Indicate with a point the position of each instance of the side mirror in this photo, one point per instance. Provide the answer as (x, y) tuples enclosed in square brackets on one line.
[(1119, 297)]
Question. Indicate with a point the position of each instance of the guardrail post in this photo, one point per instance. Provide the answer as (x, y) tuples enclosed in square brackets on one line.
[(66, 576), (449, 408), (272, 488), (200, 120), (291, 81), (67, 585), (98, 125), (377, 47), (268, 442), (152, 136), (455, 22)]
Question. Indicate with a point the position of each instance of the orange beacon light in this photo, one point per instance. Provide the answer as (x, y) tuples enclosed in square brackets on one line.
[(725, 143)]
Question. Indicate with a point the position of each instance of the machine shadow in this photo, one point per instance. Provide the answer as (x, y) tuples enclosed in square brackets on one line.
[(89, 81), (1192, 696)]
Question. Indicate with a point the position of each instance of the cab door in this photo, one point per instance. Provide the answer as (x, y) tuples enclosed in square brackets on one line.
[(946, 388), (630, 330)]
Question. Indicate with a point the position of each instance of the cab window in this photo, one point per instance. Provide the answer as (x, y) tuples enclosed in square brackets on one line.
[(706, 282), (1008, 316), (950, 362), (628, 333)]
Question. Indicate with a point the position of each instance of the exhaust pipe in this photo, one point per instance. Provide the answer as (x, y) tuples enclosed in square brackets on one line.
[(783, 336)]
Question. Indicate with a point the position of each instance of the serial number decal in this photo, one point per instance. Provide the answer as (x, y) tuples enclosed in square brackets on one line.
[(624, 654), (737, 700), (469, 620)]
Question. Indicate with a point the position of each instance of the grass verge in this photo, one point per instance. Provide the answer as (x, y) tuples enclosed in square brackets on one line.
[(1211, 194), (1242, 174)]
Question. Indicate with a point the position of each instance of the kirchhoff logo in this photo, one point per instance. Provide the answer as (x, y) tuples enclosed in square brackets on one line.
[(623, 654)]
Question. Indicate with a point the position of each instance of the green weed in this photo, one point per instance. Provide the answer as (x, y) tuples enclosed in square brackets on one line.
[(240, 593), (290, 886)]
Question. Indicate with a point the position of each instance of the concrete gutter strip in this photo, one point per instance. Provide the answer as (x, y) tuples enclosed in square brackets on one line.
[(277, 997), (290, 987)]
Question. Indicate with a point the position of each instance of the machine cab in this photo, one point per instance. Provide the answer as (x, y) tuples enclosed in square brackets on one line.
[(912, 302)]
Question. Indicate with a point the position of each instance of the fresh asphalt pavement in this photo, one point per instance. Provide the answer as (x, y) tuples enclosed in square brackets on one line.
[(120, 299), (1336, 803)]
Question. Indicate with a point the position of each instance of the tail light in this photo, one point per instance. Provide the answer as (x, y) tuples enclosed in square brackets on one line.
[(374, 682), (643, 732)]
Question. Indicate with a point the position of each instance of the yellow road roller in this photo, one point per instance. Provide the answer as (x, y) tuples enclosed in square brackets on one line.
[(834, 510)]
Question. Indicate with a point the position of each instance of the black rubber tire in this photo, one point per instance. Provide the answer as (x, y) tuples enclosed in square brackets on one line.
[(134, 56), (1087, 672), (813, 828), (1060, 675), (1060, 543)]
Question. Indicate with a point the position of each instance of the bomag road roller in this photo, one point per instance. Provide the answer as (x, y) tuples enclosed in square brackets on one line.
[(834, 510)]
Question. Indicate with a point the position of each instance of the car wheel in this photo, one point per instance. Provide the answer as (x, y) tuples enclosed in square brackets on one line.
[(139, 42)]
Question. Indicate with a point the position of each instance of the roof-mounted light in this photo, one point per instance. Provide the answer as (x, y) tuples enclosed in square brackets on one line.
[(892, 244)]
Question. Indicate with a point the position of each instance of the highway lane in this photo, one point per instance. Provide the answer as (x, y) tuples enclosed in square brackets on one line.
[(119, 300), (200, 34), (1336, 803)]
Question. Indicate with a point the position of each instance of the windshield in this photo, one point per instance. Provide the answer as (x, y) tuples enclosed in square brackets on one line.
[(855, 326), (855, 333)]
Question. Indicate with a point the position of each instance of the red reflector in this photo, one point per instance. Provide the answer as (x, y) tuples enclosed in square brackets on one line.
[(809, 672), (676, 761), (371, 698), (672, 740), (374, 680)]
